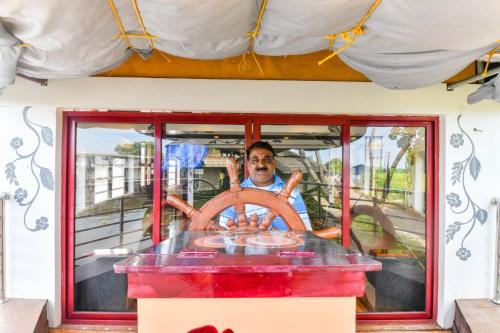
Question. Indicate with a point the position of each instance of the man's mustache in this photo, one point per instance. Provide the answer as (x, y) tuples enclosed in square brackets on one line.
[(262, 169)]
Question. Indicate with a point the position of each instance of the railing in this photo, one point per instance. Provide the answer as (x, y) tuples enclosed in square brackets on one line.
[(317, 190), (496, 275), (3, 197), (213, 188), (121, 222)]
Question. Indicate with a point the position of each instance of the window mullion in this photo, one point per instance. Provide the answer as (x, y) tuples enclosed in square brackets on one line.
[(346, 168), (157, 183)]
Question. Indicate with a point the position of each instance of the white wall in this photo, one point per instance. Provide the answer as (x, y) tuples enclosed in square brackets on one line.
[(41, 248), (31, 253), (242, 96), (469, 277)]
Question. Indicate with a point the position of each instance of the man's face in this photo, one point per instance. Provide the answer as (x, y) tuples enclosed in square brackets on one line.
[(261, 165)]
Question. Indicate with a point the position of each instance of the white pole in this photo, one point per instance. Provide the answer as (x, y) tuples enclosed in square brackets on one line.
[(496, 293), (3, 197)]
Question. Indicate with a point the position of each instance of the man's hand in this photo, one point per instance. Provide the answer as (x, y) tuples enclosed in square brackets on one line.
[(213, 226), (252, 224)]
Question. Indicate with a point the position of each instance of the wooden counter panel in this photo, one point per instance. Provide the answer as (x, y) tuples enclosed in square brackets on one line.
[(248, 315)]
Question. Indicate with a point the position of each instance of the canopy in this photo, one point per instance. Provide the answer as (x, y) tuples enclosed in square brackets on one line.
[(396, 44)]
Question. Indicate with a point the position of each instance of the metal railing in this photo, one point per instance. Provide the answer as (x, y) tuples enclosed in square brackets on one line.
[(317, 189), (3, 197), (122, 210), (123, 221), (496, 275)]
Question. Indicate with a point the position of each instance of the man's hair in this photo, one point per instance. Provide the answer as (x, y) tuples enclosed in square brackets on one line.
[(262, 145)]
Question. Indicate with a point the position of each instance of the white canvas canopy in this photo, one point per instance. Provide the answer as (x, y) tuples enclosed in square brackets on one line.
[(400, 45)]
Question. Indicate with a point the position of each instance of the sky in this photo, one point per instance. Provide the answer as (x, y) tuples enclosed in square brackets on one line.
[(104, 140)]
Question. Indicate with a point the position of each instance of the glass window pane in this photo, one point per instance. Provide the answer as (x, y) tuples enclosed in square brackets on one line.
[(317, 152), (113, 209), (387, 189), (194, 166)]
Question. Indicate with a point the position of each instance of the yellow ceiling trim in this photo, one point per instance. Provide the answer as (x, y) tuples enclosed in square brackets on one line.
[(294, 67)]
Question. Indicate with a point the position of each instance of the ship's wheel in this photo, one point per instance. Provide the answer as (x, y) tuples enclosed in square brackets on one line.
[(236, 196)]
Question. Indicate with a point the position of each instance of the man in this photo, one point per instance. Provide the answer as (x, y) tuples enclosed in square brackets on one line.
[(261, 166)]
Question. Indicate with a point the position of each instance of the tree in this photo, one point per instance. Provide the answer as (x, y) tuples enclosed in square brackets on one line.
[(408, 140), (132, 149)]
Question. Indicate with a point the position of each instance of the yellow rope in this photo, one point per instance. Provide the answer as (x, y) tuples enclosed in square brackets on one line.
[(261, 71), (332, 41), (24, 45), (120, 25), (126, 36), (333, 54), (145, 32), (243, 66), (255, 32), (141, 23), (370, 12), (349, 36), (490, 55), (134, 36)]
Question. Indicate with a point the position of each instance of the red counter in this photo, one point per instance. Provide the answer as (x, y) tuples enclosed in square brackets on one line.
[(249, 282)]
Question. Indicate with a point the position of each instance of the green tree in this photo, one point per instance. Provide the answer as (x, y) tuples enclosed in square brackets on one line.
[(408, 139), (132, 149)]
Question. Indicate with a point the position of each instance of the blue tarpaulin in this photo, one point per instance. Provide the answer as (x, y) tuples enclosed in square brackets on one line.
[(189, 155)]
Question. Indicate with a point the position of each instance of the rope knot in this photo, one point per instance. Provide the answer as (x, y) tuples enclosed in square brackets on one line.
[(252, 34), (346, 36), (349, 36), (358, 30)]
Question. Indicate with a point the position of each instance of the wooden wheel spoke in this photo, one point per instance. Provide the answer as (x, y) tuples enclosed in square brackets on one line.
[(284, 194), (241, 216), (291, 183), (232, 172), (183, 206)]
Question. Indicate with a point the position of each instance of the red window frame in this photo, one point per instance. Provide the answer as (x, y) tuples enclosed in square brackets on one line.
[(252, 123)]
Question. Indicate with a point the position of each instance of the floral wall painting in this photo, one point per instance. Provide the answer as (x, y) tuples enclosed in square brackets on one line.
[(27, 189), (463, 174)]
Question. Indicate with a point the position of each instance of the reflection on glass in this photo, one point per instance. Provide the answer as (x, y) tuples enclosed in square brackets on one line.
[(317, 152), (387, 190), (113, 204), (194, 166)]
